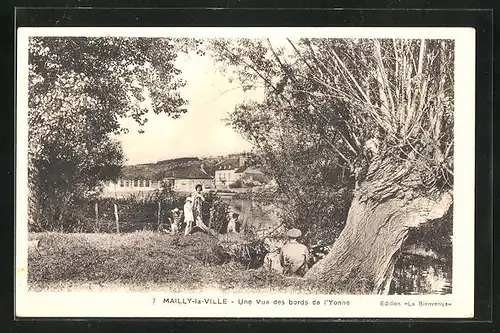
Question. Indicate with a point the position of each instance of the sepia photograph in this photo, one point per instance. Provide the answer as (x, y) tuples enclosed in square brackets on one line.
[(258, 164)]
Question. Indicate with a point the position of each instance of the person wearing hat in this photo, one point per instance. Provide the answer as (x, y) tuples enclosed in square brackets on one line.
[(294, 256), (188, 215)]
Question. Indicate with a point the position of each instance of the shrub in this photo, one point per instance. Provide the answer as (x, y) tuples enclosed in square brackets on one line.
[(146, 261), (216, 212), (319, 212), (245, 248), (236, 184)]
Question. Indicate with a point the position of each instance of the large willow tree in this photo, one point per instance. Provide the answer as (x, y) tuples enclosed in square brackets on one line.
[(384, 108)]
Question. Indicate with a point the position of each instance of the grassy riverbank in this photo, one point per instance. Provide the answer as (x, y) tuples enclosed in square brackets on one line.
[(144, 261)]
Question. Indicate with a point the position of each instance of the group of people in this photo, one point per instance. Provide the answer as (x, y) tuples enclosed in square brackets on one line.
[(192, 215), (292, 259)]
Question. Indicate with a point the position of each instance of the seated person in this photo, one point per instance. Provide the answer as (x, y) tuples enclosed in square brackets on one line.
[(272, 261), (294, 256), (176, 221)]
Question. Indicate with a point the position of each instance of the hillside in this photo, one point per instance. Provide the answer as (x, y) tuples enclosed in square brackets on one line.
[(172, 167), (160, 169)]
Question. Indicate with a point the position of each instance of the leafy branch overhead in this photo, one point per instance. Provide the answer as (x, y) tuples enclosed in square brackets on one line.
[(79, 89), (111, 73), (369, 100)]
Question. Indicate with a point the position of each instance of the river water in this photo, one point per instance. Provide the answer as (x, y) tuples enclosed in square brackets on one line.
[(420, 275), (418, 272)]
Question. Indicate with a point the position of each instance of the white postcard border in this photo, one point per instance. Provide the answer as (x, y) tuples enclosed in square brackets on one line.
[(119, 304)]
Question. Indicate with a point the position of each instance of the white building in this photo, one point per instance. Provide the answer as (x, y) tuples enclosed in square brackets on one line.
[(182, 179), (228, 172), (185, 179)]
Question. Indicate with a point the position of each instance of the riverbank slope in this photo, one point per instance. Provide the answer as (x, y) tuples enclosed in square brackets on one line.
[(144, 261)]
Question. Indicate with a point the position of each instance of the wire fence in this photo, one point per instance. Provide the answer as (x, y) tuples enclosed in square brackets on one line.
[(115, 215), (121, 215)]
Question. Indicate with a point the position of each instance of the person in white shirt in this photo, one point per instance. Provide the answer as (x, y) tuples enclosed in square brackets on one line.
[(188, 215), (231, 226), (294, 256)]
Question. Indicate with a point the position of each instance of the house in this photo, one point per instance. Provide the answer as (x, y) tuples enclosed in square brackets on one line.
[(182, 178), (235, 172), (124, 187), (251, 176), (229, 171)]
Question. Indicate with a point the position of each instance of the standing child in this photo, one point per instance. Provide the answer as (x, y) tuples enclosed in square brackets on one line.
[(231, 226), (188, 215), (198, 200)]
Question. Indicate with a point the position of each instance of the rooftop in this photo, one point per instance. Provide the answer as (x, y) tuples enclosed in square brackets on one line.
[(228, 164), (187, 172)]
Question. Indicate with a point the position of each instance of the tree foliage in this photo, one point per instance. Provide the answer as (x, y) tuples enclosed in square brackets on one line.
[(79, 89), (376, 111)]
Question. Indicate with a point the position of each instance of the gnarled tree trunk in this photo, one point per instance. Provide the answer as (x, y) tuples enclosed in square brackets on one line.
[(384, 207)]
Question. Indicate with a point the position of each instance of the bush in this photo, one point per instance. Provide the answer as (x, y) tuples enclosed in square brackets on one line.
[(236, 184), (216, 212), (246, 249), (320, 213), (135, 212), (146, 261)]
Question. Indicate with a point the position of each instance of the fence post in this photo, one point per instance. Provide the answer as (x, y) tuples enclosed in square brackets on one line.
[(116, 218), (96, 209), (159, 213)]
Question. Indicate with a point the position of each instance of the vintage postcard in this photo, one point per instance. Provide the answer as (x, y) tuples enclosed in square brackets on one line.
[(245, 172)]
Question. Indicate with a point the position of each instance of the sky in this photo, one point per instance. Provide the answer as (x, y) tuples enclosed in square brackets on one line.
[(201, 131)]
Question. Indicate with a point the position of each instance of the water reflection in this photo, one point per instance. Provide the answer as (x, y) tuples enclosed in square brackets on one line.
[(416, 274), (261, 217)]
